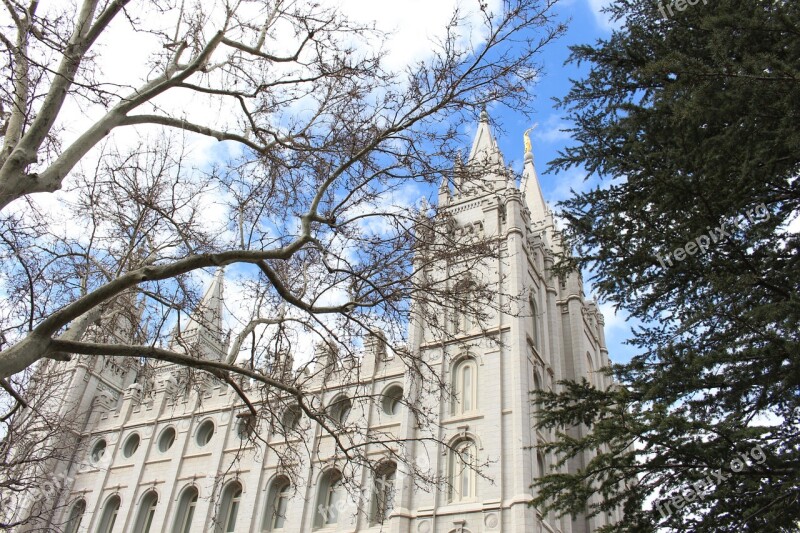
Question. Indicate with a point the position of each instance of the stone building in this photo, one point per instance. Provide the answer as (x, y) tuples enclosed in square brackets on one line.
[(159, 459)]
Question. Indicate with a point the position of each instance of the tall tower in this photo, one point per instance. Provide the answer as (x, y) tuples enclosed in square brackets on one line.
[(532, 330)]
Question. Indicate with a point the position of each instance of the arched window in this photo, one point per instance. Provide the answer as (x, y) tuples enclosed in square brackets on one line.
[(541, 465), (229, 507), (462, 467), (537, 380), (590, 369), (109, 516), (147, 510), (329, 498), (534, 322), (186, 507), (383, 493), (463, 321), (277, 504), (75, 516), (465, 387)]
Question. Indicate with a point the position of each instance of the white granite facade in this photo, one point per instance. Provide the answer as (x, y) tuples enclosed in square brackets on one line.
[(154, 466)]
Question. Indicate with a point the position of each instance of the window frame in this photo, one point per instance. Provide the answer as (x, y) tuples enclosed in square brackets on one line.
[(279, 491), (464, 402), (108, 518), (461, 473), (145, 516)]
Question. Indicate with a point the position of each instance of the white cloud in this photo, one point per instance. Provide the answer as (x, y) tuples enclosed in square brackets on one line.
[(601, 18)]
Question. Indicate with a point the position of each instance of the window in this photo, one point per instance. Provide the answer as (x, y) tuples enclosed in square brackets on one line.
[(147, 510), (229, 507), (109, 516), (204, 433), (540, 464), (462, 319), (537, 381), (329, 499), (185, 513), (461, 471), (131, 445), (75, 517), (383, 493), (277, 503), (291, 418), (339, 410), (534, 323), (465, 387), (245, 426), (392, 400), (98, 451), (166, 439), (590, 369)]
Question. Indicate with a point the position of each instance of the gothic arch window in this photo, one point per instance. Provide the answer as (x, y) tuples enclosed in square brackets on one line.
[(540, 464), (590, 369), (461, 471), (534, 322), (109, 516), (75, 516), (276, 505), (383, 493), (330, 498), (229, 503), (147, 511), (465, 386), (537, 380), (187, 504), (463, 320)]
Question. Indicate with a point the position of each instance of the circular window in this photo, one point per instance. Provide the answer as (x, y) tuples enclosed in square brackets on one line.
[(205, 432), (98, 451), (340, 410), (131, 445), (166, 439), (291, 418), (392, 400), (245, 426)]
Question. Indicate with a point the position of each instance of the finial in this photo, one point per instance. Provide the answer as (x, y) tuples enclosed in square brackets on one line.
[(484, 114), (526, 137)]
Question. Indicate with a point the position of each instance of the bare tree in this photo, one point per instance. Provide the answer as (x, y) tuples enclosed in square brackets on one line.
[(297, 204)]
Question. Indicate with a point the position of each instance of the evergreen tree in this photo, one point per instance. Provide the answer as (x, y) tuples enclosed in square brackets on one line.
[(690, 115)]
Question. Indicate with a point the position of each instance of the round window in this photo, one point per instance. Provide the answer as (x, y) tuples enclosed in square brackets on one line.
[(205, 432), (392, 399), (131, 445), (166, 439), (98, 451)]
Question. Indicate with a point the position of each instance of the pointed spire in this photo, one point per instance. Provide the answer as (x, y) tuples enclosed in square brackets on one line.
[(208, 313), (484, 146), (531, 188)]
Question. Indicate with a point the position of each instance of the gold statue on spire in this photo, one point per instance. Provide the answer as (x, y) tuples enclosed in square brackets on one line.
[(527, 140)]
